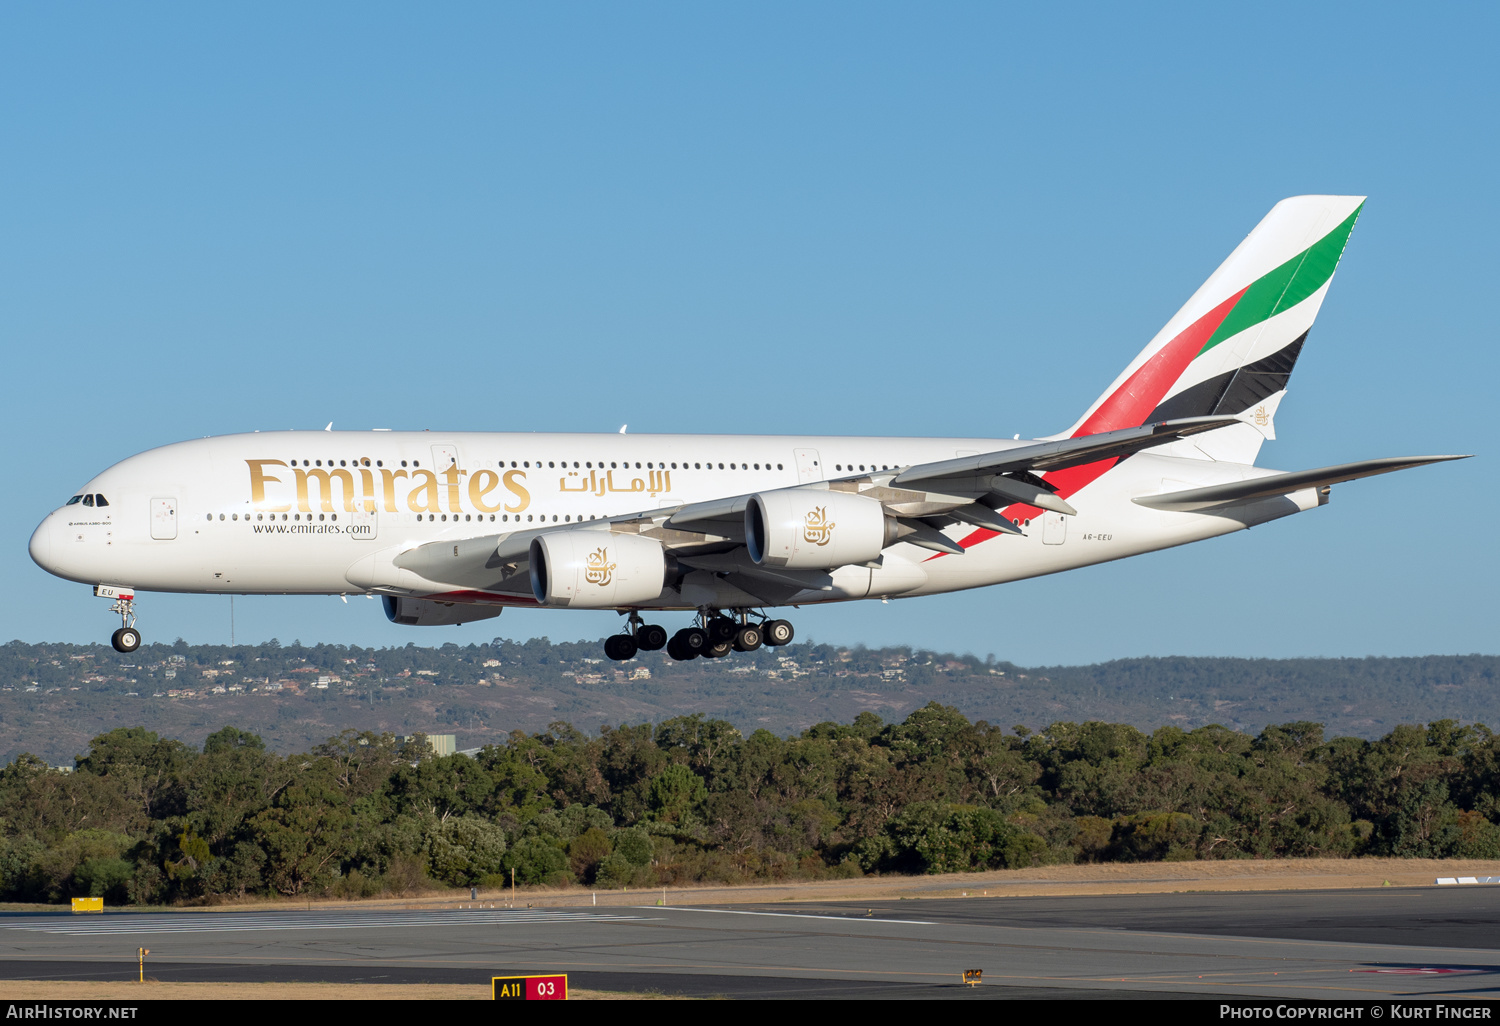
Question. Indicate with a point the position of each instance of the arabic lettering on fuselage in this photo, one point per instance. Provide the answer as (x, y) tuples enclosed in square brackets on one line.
[(657, 481), (454, 490)]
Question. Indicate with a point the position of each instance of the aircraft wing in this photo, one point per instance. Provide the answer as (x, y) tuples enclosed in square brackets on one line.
[(1214, 496), (1062, 453), (710, 535), (500, 563), (493, 563)]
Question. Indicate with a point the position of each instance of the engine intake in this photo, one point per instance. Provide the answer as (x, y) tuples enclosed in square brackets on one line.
[(596, 569), (425, 613), (799, 527)]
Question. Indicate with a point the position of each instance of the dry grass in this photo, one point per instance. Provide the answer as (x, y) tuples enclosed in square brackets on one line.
[(1109, 878)]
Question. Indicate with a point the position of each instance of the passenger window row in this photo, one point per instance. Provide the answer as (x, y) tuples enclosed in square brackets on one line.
[(421, 517), (627, 465), (272, 516), (553, 464)]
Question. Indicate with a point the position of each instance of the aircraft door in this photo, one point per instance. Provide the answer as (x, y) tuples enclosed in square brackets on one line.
[(364, 525), (443, 457), (809, 467), (164, 519), (1054, 528)]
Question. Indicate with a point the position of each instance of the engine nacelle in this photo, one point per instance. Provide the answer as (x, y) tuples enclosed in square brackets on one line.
[(596, 569), (806, 528), (426, 613)]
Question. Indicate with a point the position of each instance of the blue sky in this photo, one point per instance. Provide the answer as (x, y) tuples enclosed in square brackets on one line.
[(866, 218)]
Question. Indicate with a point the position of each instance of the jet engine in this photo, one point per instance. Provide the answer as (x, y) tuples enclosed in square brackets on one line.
[(426, 613), (596, 569), (802, 527)]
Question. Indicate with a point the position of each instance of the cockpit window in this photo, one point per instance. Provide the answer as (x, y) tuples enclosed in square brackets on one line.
[(100, 500), (75, 499), (88, 500)]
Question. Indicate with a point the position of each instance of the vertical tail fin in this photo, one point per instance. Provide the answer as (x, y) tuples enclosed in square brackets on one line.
[(1233, 345)]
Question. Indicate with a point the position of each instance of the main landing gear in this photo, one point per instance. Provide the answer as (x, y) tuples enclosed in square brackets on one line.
[(127, 639), (713, 636), (642, 637)]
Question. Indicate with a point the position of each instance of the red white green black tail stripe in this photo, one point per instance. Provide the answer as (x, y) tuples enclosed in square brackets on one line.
[(1234, 343), (1259, 302)]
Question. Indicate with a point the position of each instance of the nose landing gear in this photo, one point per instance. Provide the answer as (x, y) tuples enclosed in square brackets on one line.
[(127, 638)]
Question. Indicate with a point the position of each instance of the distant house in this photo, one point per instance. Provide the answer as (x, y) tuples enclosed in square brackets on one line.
[(441, 744)]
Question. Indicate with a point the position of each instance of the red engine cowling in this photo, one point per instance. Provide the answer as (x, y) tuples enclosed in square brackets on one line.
[(426, 613), (596, 569), (812, 529)]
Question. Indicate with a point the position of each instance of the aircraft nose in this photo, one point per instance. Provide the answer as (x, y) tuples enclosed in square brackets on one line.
[(41, 545)]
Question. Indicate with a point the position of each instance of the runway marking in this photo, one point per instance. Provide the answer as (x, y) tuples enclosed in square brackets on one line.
[(795, 915), (249, 921)]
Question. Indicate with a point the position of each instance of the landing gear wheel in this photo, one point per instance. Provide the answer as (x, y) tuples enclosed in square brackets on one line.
[(126, 639), (778, 632), (722, 629), (718, 650), (620, 647), (687, 643), (748, 638), (650, 638)]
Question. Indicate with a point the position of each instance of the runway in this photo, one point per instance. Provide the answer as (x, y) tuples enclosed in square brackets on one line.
[(1390, 943)]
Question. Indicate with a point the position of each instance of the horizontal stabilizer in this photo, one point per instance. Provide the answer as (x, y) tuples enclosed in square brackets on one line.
[(1281, 484)]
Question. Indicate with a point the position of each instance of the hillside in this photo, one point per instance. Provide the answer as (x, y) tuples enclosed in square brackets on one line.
[(55, 697)]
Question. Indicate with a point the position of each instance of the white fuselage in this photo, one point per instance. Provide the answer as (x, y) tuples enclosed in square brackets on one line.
[(321, 512)]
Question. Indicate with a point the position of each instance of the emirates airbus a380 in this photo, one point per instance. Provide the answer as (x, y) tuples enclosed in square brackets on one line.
[(450, 528)]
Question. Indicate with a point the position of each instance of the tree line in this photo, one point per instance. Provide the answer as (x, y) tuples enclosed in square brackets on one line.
[(149, 820)]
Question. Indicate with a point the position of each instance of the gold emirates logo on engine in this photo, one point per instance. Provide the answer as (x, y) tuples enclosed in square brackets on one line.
[(816, 526), (599, 570)]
